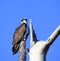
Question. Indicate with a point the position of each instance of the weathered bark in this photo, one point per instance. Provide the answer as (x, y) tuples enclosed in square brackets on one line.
[(39, 49), (22, 51)]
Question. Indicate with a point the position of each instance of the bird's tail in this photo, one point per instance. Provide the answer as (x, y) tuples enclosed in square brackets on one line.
[(15, 48)]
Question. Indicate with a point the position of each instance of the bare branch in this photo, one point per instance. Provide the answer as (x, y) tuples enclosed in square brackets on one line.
[(33, 35), (53, 36), (31, 31)]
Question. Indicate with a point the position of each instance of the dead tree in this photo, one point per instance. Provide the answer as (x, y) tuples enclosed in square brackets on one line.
[(38, 50)]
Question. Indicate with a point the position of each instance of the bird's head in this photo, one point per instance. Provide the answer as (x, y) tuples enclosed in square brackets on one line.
[(24, 21)]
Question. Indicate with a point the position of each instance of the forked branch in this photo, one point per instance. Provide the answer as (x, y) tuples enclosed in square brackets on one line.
[(39, 50)]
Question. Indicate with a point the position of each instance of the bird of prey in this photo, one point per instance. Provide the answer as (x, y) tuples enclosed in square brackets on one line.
[(19, 35)]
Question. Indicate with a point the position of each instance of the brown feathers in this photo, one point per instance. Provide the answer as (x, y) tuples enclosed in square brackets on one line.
[(18, 36)]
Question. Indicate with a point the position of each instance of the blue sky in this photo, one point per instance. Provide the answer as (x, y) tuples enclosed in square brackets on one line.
[(45, 15)]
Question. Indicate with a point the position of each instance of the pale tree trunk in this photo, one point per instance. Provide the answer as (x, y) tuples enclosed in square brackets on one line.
[(22, 51), (39, 49)]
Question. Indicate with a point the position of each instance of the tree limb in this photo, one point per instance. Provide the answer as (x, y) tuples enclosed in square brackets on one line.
[(53, 36), (32, 34)]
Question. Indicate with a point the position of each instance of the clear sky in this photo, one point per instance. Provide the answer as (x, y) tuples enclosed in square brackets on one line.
[(45, 15)]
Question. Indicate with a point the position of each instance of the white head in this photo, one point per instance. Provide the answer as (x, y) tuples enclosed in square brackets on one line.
[(24, 21)]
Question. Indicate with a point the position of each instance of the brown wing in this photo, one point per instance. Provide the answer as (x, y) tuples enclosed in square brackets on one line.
[(18, 34)]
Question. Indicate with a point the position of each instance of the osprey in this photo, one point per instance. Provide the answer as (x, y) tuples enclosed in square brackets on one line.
[(19, 35)]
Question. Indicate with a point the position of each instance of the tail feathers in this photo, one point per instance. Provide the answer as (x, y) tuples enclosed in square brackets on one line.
[(15, 48)]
